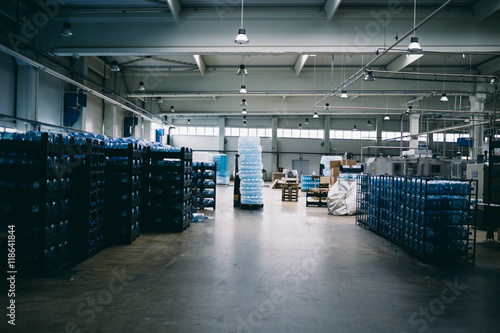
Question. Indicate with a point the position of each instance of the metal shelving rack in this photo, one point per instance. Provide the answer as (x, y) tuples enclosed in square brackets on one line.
[(362, 195), (429, 218), (123, 176), (170, 193), (204, 185)]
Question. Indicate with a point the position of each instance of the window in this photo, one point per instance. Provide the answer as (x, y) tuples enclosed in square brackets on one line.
[(235, 131), (261, 132), (396, 136), (244, 131), (200, 130), (183, 130), (191, 130), (295, 133), (304, 134), (287, 133), (210, 131), (252, 132)]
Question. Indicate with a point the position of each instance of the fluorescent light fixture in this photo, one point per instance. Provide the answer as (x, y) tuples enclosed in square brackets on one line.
[(243, 102), (327, 106), (66, 30), (344, 94), (159, 100), (315, 115), (244, 111), (443, 98), (386, 117), (242, 70), (307, 121), (172, 109), (141, 86), (243, 89), (114, 67), (414, 45)]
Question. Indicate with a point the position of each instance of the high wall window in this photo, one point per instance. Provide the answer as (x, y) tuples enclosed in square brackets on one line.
[(300, 133), (7, 129), (249, 131), (195, 130), (448, 137), (395, 136), (353, 135)]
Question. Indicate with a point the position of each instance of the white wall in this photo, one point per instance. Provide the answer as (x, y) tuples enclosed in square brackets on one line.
[(7, 85), (92, 115), (49, 99)]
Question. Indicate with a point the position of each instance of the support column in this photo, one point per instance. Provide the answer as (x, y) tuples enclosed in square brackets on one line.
[(477, 132), (274, 143), (27, 87), (222, 134), (326, 135), (414, 129), (109, 119)]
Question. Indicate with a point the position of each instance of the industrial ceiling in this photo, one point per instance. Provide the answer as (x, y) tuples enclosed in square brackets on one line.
[(300, 53)]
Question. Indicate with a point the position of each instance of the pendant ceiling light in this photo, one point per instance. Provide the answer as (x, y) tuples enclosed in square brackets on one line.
[(414, 45), (315, 115), (307, 121), (242, 70), (241, 37), (243, 102), (327, 106), (444, 98), (141, 86), (369, 76), (344, 92), (189, 122), (114, 67), (386, 117), (244, 112), (172, 109), (369, 123), (159, 100), (344, 95), (300, 126), (466, 120), (243, 89), (355, 128), (66, 30), (244, 123)]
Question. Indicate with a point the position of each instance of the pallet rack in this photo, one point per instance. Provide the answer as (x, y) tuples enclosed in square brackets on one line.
[(87, 157), (429, 218), (123, 176), (35, 198), (204, 185), (170, 193)]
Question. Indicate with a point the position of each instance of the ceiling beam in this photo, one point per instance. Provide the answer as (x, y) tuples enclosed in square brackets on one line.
[(484, 8), (299, 65), (490, 67), (200, 63), (175, 9), (331, 7), (403, 61)]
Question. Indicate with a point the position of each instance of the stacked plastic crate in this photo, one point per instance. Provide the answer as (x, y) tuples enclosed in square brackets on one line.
[(35, 200), (86, 156), (204, 186), (123, 176), (170, 191), (250, 170)]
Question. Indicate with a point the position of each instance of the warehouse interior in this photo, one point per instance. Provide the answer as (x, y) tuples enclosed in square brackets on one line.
[(405, 89)]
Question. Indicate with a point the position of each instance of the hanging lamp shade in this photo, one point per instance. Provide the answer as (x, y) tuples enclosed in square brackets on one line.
[(241, 37), (414, 45), (443, 98)]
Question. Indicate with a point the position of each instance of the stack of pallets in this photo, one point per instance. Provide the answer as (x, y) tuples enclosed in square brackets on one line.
[(289, 192)]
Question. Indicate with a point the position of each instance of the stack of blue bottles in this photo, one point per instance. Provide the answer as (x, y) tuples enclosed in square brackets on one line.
[(250, 168)]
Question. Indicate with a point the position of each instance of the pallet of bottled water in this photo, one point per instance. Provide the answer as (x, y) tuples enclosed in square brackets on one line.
[(250, 168)]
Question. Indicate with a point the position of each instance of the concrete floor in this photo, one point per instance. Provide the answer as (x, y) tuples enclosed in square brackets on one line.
[(285, 268)]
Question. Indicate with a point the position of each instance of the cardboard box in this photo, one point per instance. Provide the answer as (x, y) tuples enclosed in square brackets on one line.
[(349, 162), (277, 175), (334, 172), (324, 180), (334, 164), (333, 180)]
